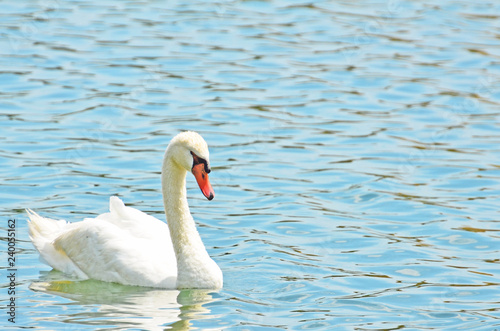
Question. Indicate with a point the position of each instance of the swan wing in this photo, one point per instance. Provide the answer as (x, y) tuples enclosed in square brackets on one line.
[(105, 252), (125, 246), (135, 222)]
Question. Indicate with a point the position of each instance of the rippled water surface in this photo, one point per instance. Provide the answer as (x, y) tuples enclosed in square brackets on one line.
[(354, 146)]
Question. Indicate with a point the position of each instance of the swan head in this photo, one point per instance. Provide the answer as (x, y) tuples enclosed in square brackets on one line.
[(190, 151)]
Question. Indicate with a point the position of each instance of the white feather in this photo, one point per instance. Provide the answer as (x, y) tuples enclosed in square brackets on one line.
[(130, 247)]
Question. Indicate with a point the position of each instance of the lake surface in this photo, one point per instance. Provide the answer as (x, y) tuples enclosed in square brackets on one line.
[(355, 148)]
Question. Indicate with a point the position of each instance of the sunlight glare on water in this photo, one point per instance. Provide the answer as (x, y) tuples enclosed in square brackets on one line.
[(354, 149)]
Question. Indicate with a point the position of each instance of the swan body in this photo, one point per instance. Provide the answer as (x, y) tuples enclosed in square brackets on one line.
[(128, 246)]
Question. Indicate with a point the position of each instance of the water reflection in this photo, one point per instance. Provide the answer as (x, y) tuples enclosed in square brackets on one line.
[(126, 306)]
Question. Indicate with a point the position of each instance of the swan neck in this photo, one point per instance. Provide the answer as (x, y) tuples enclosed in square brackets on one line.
[(174, 191), (195, 268), (180, 222)]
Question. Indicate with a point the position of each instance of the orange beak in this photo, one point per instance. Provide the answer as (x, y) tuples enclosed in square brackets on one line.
[(201, 176)]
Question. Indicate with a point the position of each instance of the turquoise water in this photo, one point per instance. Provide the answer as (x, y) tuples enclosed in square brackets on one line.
[(354, 146)]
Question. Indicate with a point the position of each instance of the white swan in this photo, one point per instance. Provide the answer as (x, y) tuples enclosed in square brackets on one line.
[(130, 247)]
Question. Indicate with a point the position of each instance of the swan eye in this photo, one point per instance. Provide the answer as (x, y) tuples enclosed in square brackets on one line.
[(198, 160)]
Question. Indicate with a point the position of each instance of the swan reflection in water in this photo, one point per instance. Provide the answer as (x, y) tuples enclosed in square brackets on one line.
[(125, 306)]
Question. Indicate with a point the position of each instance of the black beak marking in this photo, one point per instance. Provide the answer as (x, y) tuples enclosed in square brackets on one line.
[(198, 160)]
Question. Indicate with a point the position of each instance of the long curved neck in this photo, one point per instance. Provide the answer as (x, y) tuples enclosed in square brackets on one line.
[(180, 222), (190, 252)]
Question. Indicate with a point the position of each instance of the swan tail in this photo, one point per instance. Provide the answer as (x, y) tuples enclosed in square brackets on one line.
[(43, 232)]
